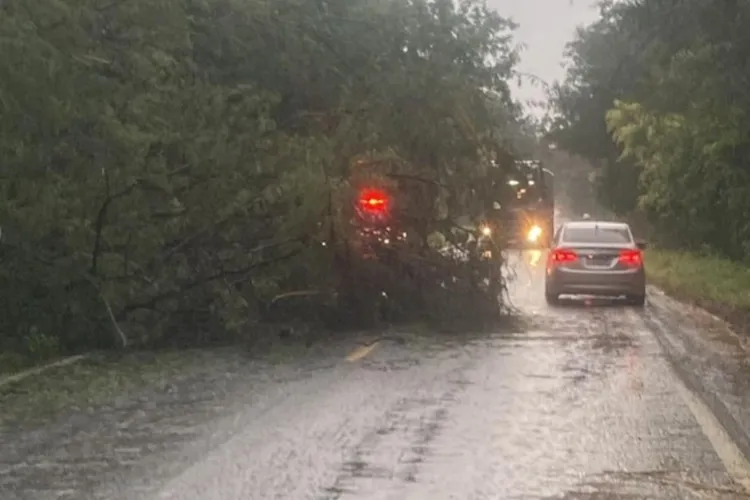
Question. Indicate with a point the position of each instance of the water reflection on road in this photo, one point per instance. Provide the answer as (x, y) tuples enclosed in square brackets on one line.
[(533, 257)]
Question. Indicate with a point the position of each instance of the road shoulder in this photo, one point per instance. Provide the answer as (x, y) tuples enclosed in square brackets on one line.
[(709, 357)]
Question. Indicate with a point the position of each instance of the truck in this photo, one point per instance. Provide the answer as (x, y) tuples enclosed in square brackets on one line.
[(524, 214)]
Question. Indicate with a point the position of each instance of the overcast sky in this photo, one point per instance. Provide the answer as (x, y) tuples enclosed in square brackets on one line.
[(545, 27)]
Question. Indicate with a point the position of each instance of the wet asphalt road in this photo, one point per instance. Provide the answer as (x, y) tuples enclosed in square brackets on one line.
[(583, 405)]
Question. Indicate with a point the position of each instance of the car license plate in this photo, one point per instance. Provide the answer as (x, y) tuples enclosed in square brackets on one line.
[(599, 260)]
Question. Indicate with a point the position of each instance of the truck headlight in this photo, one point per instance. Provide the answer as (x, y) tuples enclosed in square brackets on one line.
[(534, 234)]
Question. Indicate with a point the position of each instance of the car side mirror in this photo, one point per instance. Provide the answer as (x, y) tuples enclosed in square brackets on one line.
[(641, 244)]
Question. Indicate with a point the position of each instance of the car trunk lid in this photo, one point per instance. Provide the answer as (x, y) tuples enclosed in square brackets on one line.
[(598, 257)]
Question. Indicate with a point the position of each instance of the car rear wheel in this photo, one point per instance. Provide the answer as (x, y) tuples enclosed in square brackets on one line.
[(551, 297), (637, 300)]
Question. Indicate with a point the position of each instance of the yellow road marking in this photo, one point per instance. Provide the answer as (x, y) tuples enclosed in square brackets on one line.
[(361, 352)]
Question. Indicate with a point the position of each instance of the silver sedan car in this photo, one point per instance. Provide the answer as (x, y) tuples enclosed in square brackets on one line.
[(595, 258)]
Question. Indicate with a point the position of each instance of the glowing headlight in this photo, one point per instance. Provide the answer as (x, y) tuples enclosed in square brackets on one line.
[(486, 231), (534, 233)]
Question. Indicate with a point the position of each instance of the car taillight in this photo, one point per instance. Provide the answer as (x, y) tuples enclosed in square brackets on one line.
[(631, 258), (562, 256)]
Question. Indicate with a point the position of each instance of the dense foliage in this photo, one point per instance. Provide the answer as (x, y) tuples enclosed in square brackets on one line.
[(657, 97), (169, 166)]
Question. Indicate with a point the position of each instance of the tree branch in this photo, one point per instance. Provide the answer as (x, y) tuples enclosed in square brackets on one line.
[(151, 302)]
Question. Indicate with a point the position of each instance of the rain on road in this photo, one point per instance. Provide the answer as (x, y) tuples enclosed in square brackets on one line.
[(581, 405)]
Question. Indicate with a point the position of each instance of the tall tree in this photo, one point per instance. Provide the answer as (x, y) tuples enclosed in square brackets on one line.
[(669, 83)]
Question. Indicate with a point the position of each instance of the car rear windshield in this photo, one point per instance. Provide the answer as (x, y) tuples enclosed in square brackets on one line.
[(596, 234)]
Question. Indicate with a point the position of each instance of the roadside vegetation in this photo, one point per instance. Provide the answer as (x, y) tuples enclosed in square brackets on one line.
[(716, 284), (657, 100), (91, 382), (168, 168)]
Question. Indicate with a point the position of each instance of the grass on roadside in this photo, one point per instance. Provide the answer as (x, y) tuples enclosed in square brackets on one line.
[(718, 285), (12, 362), (90, 382)]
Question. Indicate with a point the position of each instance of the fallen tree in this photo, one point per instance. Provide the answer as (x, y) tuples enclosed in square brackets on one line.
[(168, 168)]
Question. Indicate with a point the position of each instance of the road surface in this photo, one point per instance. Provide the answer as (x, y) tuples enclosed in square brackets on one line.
[(585, 403)]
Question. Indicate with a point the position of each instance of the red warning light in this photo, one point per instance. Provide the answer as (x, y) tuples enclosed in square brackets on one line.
[(373, 200)]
